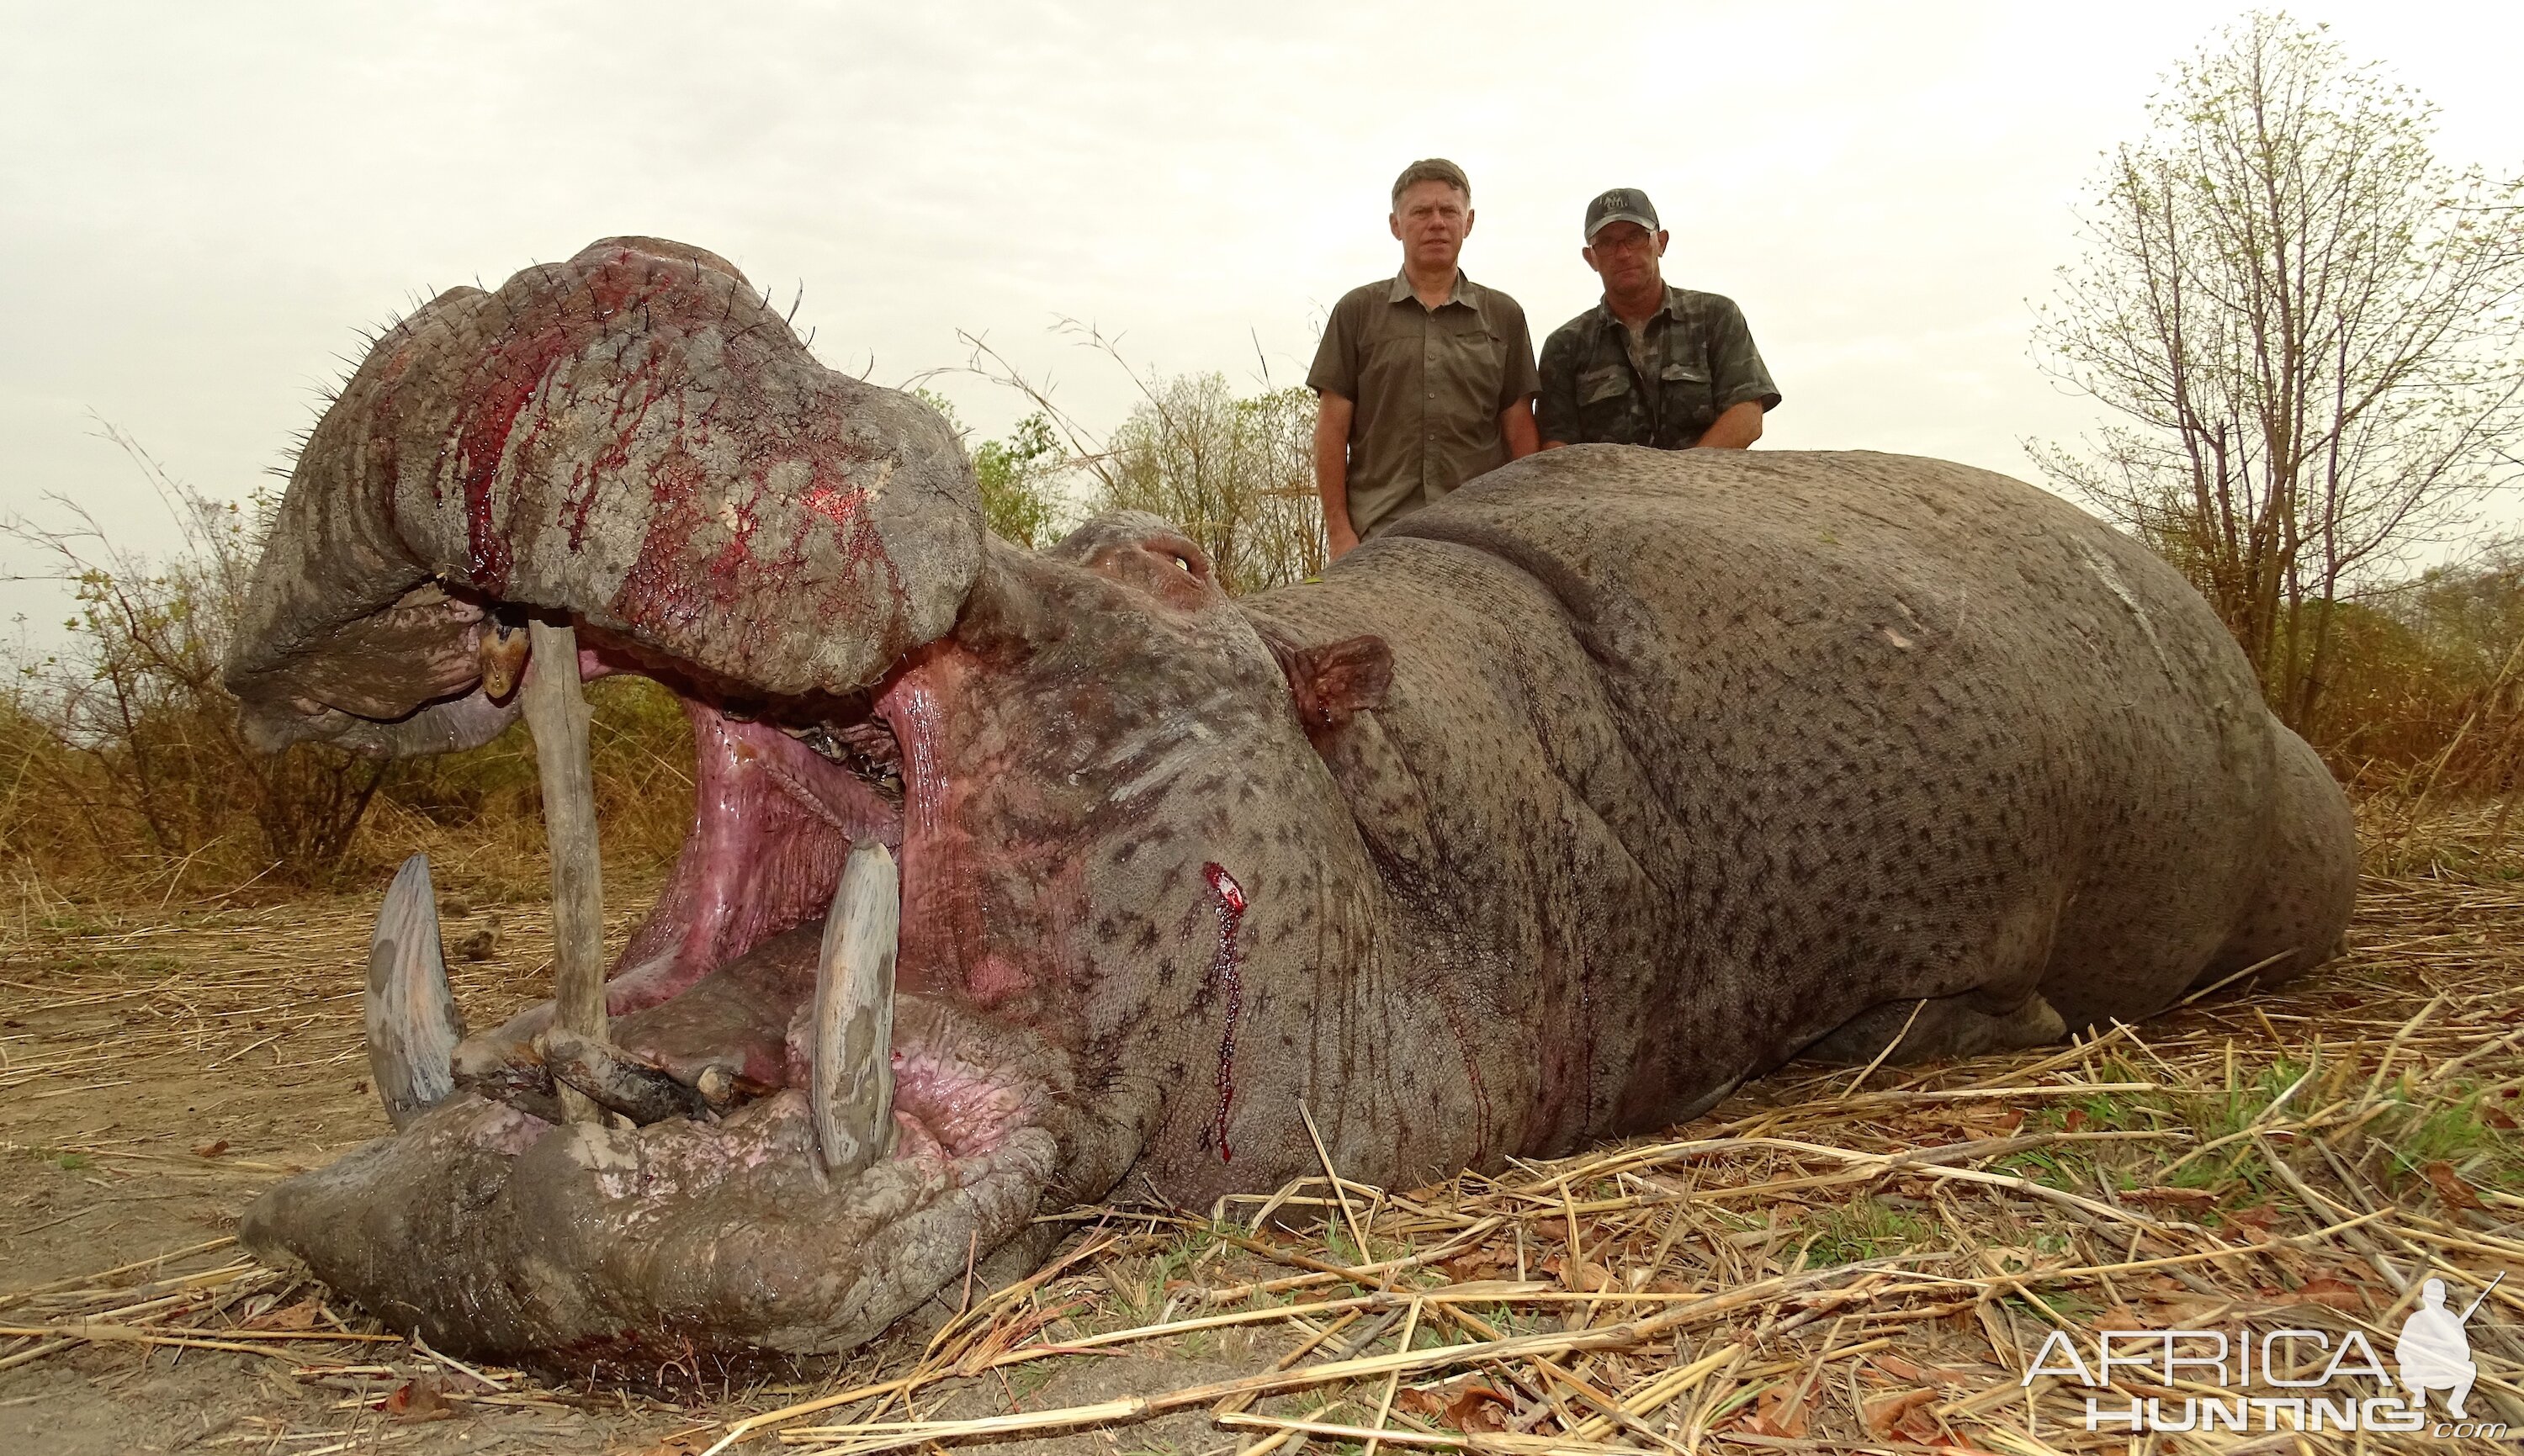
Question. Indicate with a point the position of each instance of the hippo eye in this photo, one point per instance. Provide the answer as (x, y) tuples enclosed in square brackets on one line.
[(1185, 565)]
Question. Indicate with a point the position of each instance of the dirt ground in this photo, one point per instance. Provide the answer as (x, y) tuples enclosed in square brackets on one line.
[(160, 1066)]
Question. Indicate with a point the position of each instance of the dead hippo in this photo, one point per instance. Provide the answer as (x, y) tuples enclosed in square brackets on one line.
[(1614, 779)]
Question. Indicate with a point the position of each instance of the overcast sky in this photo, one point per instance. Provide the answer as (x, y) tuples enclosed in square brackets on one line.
[(200, 204)]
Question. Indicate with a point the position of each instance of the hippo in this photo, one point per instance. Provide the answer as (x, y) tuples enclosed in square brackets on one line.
[(1021, 879)]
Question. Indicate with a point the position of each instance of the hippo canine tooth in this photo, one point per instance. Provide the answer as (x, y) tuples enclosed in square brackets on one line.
[(412, 1023), (852, 1094), (556, 708)]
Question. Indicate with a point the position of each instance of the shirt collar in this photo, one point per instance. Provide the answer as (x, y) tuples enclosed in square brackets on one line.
[(1402, 289), (1672, 307)]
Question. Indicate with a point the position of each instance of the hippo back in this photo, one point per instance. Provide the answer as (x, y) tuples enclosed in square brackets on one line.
[(1764, 741)]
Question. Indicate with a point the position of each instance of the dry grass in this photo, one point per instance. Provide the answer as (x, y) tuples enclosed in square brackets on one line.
[(1826, 1262)]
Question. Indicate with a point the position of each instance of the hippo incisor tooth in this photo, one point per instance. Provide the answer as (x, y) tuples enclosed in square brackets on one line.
[(851, 1094), (503, 657), (555, 708), (412, 1018), (643, 1093)]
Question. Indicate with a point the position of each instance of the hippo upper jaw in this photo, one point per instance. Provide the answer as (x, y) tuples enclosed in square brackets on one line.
[(632, 440)]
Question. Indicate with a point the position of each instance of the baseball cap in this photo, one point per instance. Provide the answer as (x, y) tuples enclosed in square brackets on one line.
[(1621, 205)]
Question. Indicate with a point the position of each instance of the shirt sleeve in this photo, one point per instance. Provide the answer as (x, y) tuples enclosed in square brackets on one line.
[(1556, 410), (1735, 365), (1335, 368), (1519, 378)]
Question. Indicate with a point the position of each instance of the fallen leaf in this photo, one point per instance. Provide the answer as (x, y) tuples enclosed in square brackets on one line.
[(1420, 1402), (1884, 1413), (2450, 1185), (2261, 1217), (2332, 1294), (417, 1399), (1477, 1409), (2076, 1120), (1778, 1411), (1592, 1278), (211, 1149), (1917, 1425), (300, 1316), (1898, 1368)]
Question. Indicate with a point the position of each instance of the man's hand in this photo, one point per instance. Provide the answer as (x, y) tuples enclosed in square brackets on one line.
[(1332, 469), (1515, 428), (1738, 427)]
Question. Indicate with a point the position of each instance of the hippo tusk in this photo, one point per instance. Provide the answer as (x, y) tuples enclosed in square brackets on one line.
[(852, 1094), (412, 1018), (555, 710)]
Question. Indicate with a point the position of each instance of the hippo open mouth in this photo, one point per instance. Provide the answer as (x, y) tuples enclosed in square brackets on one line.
[(791, 1149), (628, 465)]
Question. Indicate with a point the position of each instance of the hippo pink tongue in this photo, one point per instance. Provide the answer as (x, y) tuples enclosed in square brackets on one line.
[(772, 822)]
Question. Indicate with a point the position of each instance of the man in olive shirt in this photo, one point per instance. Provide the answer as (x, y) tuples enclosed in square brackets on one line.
[(1424, 381), (1651, 364)]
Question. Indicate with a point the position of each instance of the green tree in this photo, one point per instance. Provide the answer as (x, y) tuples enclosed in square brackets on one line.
[(1020, 476), (2304, 325)]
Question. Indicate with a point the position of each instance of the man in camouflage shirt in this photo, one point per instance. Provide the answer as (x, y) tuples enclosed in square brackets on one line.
[(1652, 363)]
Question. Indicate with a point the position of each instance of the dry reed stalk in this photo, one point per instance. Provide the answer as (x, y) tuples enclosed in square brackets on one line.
[(1802, 1260)]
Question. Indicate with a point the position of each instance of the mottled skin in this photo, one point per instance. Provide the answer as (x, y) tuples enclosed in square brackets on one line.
[(1616, 778)]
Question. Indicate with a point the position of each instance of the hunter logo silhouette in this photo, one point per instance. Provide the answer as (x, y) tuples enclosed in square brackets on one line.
[(2433, 1352)]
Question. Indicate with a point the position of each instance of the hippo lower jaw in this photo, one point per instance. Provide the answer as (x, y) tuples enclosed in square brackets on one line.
[(750, 1191), (496, 1232)]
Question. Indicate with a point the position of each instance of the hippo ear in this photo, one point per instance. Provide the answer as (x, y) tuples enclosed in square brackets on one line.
[(1335, 681)]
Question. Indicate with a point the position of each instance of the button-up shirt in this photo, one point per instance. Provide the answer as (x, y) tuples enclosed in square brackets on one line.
[(1695, 362), (1429, 385)]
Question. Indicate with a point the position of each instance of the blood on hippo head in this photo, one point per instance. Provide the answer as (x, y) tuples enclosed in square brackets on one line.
[(1550, 816), (1074, 763)]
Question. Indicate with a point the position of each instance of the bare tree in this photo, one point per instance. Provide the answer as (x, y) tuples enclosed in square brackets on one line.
[(1236, 473), (2305, 325), (127, 725)]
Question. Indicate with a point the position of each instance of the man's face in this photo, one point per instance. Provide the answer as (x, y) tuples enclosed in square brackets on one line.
[(1431, 218), (1626, 255)]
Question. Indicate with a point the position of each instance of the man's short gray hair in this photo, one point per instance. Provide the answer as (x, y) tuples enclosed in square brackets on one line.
[(1432, 169)]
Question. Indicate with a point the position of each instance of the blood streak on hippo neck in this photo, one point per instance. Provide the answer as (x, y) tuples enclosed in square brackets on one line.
[(1226, 971)]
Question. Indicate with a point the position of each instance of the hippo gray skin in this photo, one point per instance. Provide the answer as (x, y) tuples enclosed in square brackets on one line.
[(1552, 815)]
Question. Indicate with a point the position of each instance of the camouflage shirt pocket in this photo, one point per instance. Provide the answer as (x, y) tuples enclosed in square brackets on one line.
[(1689, 398), (1595, 386)]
